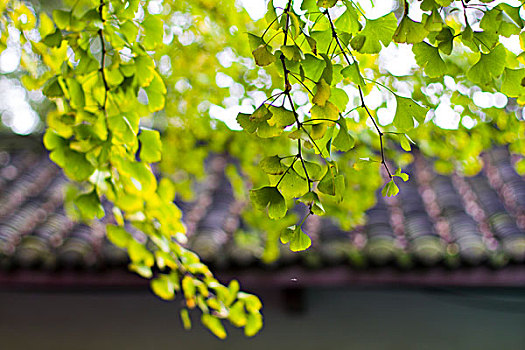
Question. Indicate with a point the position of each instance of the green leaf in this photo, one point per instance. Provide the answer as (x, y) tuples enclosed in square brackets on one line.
[(401, 175), (271, 16), (61, 18), (433, 22), (343, 141), (313, 67), (53, 141), (46, 25), (322, 93), (89, 205), (272, 165), (214, 325), (489, 66), (281, 117), (237, 315), (339, 98), (76, 93), (292, 52), (271, 198), (253, 324), (410, 32), (309, 5), (520, 166), (312, 199), (139, 254), (156, 91), (54, 39), (123, 131), (446, 40), (406, 111), (74, 164), (331, 183), (52, 88), (292, 185), (405, 143), (185, 318), (130, 31), (326, 3), (390, 189), (251, 122), (299, 241), (145, 70), (512, 85), (153, 32), (428, 57), (83, 6), (255, 41), (312, 43), (349, 20), (314, 170), (163, 287), (141, 269), (352, 72), (328, 111), (263, 56), (118, 236), (376, 31), (150, 145)]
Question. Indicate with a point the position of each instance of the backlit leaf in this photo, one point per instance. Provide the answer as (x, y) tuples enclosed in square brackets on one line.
[(407, 110)]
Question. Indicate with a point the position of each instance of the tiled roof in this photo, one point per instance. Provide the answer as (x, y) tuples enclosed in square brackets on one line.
[(436, 222)]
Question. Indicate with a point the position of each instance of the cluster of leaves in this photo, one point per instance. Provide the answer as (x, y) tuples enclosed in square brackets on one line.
[(321, 49), (110, 65), (98, 56)]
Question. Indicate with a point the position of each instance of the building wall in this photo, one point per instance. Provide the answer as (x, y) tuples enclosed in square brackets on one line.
[(357, 318)]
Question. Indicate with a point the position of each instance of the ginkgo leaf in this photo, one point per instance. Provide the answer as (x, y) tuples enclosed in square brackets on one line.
[(349, 20), (328, 111), (407, 110), (272, 165), (326, 3), (281, 116), (263, 56), (352, 72), (401, 174), (512, 84), (271, 16), (312, 199), (405, 143), (332, 183), (428, 57), (410, 31), (269, 197), (314, 170), (322, 93), (433, 22), (339, 98), (390, 189), (343, 141), (299, 240), (89, 205), (292, 52), (489, 66), (150, 145), (446, 40), (376, 31), (251, 122), (292, 185)]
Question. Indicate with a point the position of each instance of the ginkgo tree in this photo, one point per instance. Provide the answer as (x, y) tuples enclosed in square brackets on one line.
[(132, 83)]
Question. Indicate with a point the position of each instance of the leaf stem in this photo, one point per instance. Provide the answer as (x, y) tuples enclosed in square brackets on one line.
[(380, 133)]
